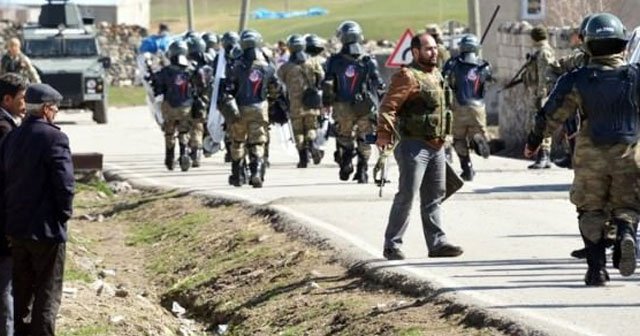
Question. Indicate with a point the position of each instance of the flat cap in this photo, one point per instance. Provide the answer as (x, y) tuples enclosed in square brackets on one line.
[(42, 93)]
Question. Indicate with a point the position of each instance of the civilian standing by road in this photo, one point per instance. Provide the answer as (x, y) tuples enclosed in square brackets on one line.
[(12, 109), (414, 109), (36, 194)]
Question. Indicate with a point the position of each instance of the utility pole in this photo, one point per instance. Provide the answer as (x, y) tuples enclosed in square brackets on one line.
[(244, 15), (190, 15), (474, 17)]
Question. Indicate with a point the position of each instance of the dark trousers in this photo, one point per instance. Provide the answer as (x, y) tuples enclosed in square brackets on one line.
[(422, 172), (37, 279)]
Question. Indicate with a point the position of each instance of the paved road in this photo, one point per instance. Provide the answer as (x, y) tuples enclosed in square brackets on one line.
[(517, 226)]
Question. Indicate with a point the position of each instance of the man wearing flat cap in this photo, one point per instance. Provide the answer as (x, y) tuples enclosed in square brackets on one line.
[(36, 194)]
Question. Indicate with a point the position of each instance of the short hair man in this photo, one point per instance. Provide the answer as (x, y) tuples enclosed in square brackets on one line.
[(36, 195), (12, 109), (15, 61)]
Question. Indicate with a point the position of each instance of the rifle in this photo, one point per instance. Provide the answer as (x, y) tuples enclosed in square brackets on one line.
[(517, 79), (381, 167)]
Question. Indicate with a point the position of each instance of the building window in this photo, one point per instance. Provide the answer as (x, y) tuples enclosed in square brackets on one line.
[(533, 9)]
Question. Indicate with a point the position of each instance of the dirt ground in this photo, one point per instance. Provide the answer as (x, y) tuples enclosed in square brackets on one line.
[(153, 263)]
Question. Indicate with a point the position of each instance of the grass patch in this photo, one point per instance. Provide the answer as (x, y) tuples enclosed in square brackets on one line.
[(380, 19), (412, 331), (151, 232), (74, 273), (94, 330), (123, 96)]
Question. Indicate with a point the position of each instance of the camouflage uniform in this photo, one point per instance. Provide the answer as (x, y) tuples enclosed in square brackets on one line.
[(607, 158), (354, 83), (538, 81), (297, 78), (21, 65), (174, 82), (251, 81)]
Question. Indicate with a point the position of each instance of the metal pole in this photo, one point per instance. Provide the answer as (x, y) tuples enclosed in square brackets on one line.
[(474, 16), (190, 15), (244, 15)]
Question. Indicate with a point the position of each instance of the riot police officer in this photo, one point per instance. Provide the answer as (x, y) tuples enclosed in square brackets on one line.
[(606, 157), (251, 81), (174, 82), (230, 43), (201, 82), (212, 44), (302, 76), (352, 86), (467, 75)]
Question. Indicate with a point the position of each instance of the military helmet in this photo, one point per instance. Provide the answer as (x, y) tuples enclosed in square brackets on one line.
[(250, 39), (583, 26), (176, 48), (195, 44), (469, 43), (349, 32), (210, 39), (433, 29), (295, 43), (539, 33), (605, 35), (313, 40), (229, 39), (604, 26)]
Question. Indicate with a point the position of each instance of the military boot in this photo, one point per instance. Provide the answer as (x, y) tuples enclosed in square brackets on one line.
[(596, 275), (316, 153), (626, 249), (346, 164), (542, 161), (467, 168), (185, 161), (236, 178), (361, 171), (481, 145), (196, 157), (169, 158), (256, 166), (304, 158)]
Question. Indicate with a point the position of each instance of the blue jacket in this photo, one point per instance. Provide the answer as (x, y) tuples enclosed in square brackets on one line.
[(36, 182)]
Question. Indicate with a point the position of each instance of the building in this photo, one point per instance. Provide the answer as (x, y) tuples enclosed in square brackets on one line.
[(112, 11)]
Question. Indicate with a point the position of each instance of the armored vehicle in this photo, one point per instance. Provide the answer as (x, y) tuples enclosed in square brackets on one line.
[(64, 49)]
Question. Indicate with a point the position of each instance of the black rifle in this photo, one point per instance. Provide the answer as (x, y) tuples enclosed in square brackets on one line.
[(517, 79)]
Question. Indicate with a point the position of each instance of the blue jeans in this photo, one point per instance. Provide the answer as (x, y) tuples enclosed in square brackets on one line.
[(6, 296), (422, 170)]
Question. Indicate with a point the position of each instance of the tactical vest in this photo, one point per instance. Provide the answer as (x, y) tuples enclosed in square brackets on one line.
[(11, 65), (179, 90), (610, 103), (351, 76), (424, 115), (469, 82), (253, 82)]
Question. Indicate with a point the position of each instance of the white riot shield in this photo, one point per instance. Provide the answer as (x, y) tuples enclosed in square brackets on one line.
[(215, 119), (153, 102)]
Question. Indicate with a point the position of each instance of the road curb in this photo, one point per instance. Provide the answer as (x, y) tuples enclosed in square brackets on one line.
[(360, 262)]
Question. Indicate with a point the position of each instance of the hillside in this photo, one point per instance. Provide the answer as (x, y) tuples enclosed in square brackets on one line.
[(380, 19)]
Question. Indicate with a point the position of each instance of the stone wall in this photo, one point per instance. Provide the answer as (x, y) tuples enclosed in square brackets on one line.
[(515, 106), (121, 42)]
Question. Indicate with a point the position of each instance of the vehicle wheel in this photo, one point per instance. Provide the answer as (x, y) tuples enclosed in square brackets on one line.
[(100, 112)]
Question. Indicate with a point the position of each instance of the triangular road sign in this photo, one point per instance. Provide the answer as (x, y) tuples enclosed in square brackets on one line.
[(401, 55)]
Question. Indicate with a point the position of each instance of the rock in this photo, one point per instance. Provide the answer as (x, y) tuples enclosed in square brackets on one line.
[(177, 309), (70, 291), (311, 286), (88, 217), (97, 286), (102, 195), (122, 292), (262, 238), (100, 218), (107, 273), (106, 290), (119, 187), (116, 320), (315, 274), (222, 329)]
